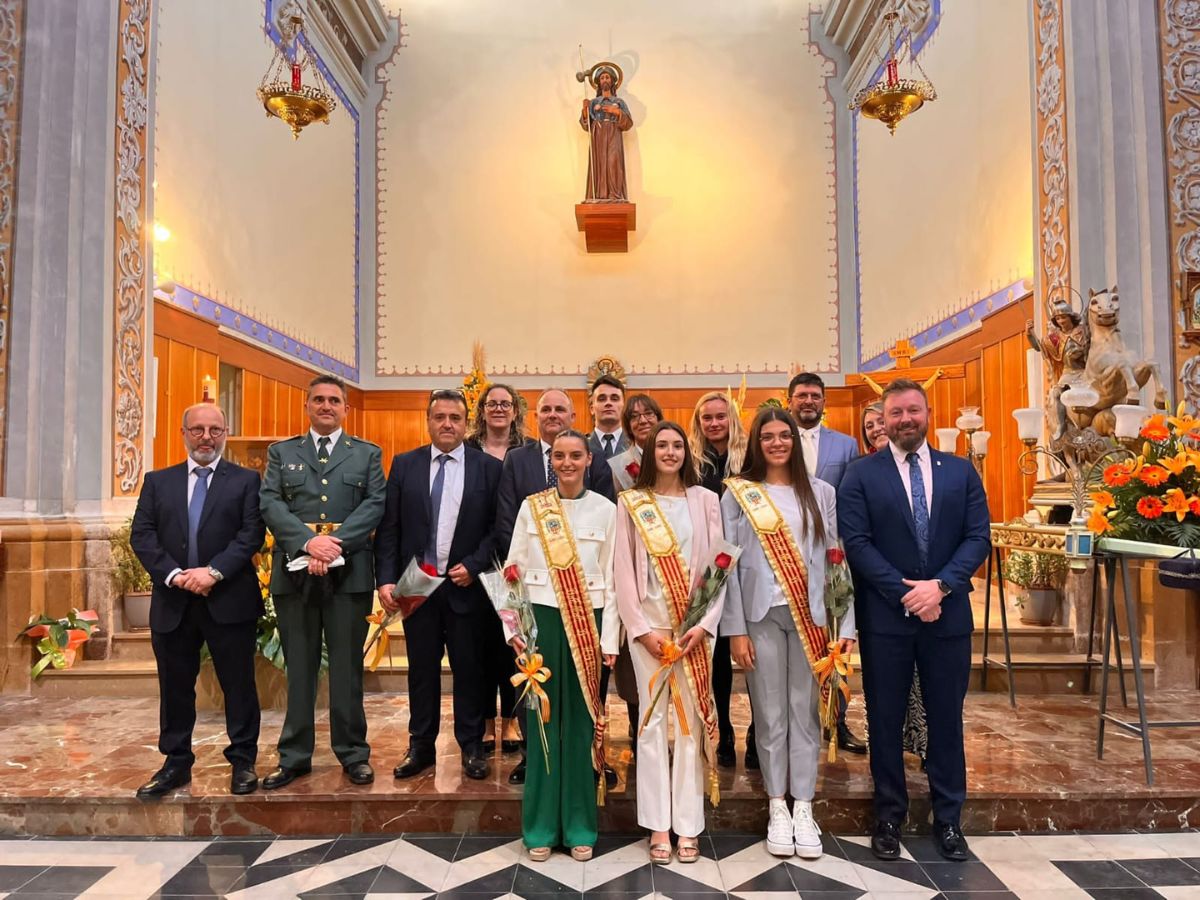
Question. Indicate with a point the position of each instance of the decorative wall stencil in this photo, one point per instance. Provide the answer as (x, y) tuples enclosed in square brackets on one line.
[(1054, 232), (12, 16), (130, 244)]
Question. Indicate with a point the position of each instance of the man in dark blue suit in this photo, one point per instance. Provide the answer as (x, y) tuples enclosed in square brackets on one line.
[(527, 471), (196, 530), (441, 504), (914, 522)]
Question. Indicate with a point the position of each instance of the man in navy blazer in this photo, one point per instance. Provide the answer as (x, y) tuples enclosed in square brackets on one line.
[(441, 503), (196, 529), (826, 455), (914, 522), (526, 471)]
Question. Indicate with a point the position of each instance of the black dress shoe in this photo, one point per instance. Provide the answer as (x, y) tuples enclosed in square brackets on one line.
[(510, 746), (950, 842), (414, 762), (848, 741), (489, 747), (885, 842), (243, 781), (165, 780), (282, 777), (751, 755), (474, 763), (726, 758), (517, 775), (359, 772)]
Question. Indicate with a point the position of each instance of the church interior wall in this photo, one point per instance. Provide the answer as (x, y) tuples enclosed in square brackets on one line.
[(944, 206)]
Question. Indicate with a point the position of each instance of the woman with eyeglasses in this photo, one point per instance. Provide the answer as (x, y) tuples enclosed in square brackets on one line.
[(718, 443), (641, 414), (562, 547), (784, 520), (498, 426), (916, 730)]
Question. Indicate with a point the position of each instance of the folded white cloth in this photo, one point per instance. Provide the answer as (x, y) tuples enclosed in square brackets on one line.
[(300, 563)]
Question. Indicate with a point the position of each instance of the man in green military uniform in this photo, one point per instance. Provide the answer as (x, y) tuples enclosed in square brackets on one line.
[(322, 496)]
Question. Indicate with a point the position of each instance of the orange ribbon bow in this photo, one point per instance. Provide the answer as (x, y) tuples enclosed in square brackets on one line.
[(670, 654), (533, 674), (380, 642), (834, 661)]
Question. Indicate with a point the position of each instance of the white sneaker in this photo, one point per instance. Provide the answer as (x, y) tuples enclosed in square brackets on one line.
[(806, 831), (780, 840)]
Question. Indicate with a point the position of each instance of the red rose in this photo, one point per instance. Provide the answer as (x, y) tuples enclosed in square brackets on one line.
[(835, 555), (429, 569), (723, 560), (512, 574), (634, 469)]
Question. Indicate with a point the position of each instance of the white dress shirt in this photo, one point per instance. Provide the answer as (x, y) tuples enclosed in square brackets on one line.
[(601, 435), (192, 466), (810, 444), (785, 500), (923, 460), (452, 491), (334, 436)]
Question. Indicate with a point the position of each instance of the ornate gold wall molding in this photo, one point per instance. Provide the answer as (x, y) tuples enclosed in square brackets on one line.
[(130, 271), (1054, 231), (12, 22)]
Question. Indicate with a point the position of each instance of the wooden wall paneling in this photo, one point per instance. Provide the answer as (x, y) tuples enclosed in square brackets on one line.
[(992, 365), (161, 394), (251, 424)]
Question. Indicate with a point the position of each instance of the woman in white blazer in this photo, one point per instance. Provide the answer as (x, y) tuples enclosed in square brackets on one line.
[(762, 634), (559, 806), (670, 788)]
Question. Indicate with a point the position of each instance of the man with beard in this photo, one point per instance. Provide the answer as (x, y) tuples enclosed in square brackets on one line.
[(441, 504), (527, 471), (914, 522), (826, 455), (196, 530)]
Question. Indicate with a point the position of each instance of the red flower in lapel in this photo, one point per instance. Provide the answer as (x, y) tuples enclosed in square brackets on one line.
[(633, 469)]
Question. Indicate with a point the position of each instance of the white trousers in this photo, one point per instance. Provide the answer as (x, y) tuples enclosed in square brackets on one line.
[(784, 693), (670, 792)]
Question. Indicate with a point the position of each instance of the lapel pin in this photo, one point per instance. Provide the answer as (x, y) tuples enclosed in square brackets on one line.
[(291, 466)]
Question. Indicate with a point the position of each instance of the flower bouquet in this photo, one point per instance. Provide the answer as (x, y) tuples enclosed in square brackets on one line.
[(58, 640), (704, 593), (833, 670), (1155, 496), (414, 587), (506, 589)]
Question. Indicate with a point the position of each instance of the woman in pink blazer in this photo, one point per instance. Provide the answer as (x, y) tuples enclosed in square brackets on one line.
[(670, 789)]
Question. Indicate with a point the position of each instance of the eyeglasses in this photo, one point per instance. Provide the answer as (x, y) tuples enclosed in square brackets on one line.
[(783, 438), (499, 404), (198, 432), (646, 415)]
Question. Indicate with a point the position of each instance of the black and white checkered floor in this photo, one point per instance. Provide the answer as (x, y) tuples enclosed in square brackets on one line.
[(1127, 866)]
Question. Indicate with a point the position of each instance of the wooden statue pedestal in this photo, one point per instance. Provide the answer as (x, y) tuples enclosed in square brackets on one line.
[(606, 226)]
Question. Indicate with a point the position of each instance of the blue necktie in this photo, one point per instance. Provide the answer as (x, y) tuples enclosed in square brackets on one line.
[(920, 509), (435, 504), (195, 508), (551, 475)]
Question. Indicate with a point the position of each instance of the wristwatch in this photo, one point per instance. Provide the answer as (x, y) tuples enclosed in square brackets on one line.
[(215, 573), (944, 588)]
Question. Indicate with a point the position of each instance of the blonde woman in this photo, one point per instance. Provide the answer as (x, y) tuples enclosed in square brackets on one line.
[(667, 501), (576, 528)]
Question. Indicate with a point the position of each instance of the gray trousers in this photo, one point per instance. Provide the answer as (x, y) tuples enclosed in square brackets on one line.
[(784, 694)]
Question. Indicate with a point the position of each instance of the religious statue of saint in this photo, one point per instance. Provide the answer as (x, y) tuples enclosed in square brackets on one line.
[(604, 117), (1065, 348)]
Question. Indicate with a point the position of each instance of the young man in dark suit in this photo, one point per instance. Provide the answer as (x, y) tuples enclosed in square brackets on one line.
[(196, 530), (440, 509), (914, 522)]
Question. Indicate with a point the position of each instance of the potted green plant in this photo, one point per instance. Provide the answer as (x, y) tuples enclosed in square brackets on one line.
[(1041, 577), (130, 580)]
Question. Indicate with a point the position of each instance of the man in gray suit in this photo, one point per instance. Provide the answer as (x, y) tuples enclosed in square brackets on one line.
[(826, 455), (607, 400)]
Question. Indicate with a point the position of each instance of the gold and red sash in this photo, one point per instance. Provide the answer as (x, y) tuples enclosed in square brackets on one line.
[(575, 606), (783, 553), (663, 549)]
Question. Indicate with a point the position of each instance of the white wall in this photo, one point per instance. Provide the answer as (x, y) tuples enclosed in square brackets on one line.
[(945, 206), (730, 162), (259, 221)]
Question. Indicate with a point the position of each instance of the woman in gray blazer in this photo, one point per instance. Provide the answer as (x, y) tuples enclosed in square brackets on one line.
[(763, 636)]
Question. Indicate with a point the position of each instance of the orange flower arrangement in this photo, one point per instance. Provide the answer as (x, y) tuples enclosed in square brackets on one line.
[(1154, 497)]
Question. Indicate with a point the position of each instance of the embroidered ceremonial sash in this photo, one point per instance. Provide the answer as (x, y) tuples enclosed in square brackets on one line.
[(663, 548), (782, 552), (575, 606)]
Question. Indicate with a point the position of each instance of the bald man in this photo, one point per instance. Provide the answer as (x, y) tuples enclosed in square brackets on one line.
[(527, 471), (196, 530)]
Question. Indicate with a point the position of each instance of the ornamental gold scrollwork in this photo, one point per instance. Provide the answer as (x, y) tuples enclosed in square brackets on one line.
[(1048, 539)]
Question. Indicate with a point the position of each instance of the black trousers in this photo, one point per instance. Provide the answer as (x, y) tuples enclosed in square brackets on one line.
[(429, 632), (722, 680), (499, 666), (178, 656), (944, 666)]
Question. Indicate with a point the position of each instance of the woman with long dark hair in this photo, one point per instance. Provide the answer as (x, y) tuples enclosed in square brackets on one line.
[(785, 521)]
